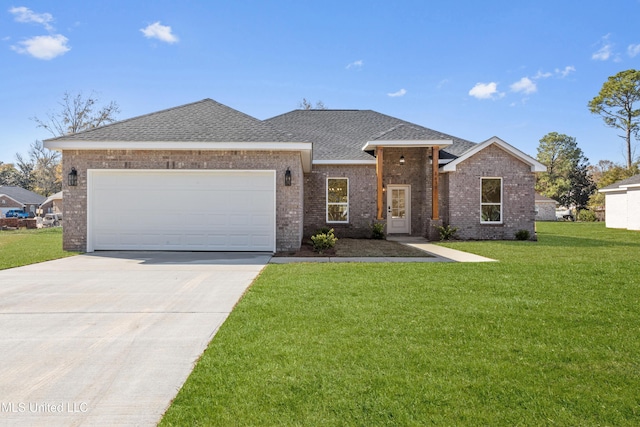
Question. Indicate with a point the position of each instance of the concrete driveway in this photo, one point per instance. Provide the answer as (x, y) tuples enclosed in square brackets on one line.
[(109, 338)]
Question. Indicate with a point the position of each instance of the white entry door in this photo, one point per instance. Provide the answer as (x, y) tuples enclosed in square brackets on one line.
[(398, 209)]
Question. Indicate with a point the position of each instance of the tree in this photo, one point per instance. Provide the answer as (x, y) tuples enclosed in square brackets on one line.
[(615, 104), (24, 176), (306, 105), (41, 171), (567, 178), (8, 174), (78, 113), (606, 173), (43, 168)]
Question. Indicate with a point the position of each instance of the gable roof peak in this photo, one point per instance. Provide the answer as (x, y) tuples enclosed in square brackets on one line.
[(201, 121), (535, 165)]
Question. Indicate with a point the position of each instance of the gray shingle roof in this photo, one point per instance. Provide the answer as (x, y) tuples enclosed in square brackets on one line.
[(202, 121), (629, 181), (21, 195), (341, 134)]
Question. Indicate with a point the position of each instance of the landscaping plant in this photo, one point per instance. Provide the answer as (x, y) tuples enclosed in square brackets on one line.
[(377, 231), (447, 232), (323, 241)]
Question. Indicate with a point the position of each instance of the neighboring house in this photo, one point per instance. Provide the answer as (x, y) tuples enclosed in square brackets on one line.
[(18, 198), (622, 203), (545, 208), (53, 204), (204, 176)]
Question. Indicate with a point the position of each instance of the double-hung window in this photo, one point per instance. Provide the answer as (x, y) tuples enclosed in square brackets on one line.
[(337, 200), (491, 201)]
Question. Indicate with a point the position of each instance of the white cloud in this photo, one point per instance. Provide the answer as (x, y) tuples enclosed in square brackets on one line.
[(541, 75), (442, 83), (605, 52), (160, 32), (43, 47), (356, 64), (633, 50), (485, 91), (401, 92), (26, 15), (566, 71), (524, 85)]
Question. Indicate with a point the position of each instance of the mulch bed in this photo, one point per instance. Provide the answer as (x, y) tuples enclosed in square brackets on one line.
[(348, 248)]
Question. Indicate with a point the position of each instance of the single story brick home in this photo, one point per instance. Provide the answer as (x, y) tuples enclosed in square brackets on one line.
[(53, 204), (204, 176), (12, 197), (622, 204)]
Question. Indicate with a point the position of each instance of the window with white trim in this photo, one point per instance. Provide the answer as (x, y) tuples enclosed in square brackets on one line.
[(337, 200), (491, 201)]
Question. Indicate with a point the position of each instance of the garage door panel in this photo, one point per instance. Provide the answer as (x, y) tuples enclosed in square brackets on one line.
[(181, 210)]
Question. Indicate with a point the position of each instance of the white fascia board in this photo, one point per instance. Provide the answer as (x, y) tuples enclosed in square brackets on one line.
[(305, 148), (371, 145), (631, 186), (536, 166), (622, 189), (344, 162)]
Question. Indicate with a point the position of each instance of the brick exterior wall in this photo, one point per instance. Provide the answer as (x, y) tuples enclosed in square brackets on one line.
[(518, 199), (362, 199), (415, 172), (289, 200), (7, 203)]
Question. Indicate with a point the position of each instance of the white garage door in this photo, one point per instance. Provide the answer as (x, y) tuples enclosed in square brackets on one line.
[(181, 210)]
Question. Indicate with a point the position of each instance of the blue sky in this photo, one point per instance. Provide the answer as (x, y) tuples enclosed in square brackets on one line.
[(471, 69)]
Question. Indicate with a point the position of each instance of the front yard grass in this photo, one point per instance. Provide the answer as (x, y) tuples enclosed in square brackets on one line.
[(547, 336), (23, 247)]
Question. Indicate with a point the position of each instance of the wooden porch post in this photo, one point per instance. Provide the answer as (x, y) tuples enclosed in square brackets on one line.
[(434, 182), (379, 176)]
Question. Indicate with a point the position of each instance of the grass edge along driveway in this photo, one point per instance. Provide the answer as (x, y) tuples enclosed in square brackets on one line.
[(24, 247), (547, 336)]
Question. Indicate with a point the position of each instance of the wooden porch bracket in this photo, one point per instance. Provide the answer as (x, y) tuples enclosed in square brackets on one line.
[(379, 158)]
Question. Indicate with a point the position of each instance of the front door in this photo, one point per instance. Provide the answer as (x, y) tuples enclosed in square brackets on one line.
[(398, 209)]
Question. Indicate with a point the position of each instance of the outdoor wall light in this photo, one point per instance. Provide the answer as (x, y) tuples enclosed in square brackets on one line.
[(401, 160), (287, 178), (73, 177)]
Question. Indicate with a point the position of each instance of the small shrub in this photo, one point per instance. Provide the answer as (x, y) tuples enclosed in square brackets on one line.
[(377, 231), (522, 235), (587, 215), (447, 232), (323, 241), (323, 230)]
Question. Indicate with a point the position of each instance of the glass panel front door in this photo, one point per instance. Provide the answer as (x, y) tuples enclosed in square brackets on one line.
[(398, 209)]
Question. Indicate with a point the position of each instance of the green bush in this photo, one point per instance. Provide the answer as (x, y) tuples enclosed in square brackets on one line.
[(522, 235), (447, 232), (377, 231), (323, 241), (587, 215), (323, 230)]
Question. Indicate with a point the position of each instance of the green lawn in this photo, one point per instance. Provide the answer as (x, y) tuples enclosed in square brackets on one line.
[(550, 335), (23, 247)]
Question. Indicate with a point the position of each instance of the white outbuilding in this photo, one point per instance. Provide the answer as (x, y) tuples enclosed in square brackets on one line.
[(622, 203)]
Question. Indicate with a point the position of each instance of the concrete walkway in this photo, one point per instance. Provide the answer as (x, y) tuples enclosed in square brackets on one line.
[(109, 338), (440, 251), (435, 254)]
